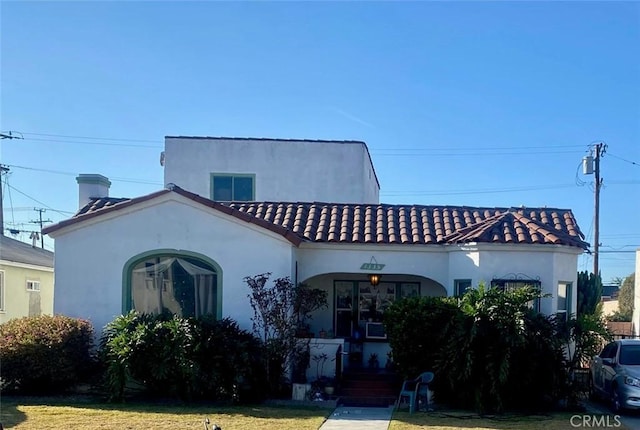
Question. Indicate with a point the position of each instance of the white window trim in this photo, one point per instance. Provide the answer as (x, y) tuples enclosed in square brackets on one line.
[(568, 298), (33, 283)]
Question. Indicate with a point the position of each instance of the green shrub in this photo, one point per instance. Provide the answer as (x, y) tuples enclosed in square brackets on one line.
[(417, 329), (152, 350), (503, 355), (166, 355), (230, 362), (45, 354), (489, 351)]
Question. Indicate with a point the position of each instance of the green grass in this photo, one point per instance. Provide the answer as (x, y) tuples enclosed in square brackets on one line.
[(23, 414), (78, 413), (470, 421)]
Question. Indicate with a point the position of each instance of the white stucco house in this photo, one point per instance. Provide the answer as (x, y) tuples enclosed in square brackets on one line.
[(308, 210)]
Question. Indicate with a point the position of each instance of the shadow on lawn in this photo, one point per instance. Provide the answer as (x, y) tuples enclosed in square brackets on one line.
[(10, 416), (466, 419), (13, 416)]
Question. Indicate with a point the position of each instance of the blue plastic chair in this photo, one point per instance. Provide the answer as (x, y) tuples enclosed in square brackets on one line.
[(413, 388)]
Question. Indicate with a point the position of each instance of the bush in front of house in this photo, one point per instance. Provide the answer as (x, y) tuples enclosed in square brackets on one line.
[(169, 356), (490, 351), (45, 354), (229, 362), (152, 350), (503, 355), (417, 329)]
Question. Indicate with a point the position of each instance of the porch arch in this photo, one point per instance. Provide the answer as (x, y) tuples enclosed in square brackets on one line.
[(190, 282), (350, 300)]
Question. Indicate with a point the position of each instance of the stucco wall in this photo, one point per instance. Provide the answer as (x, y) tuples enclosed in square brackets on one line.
[(18, 301), (430, 262), (90, 260), (284, 170), (547, 263), (480, 263)]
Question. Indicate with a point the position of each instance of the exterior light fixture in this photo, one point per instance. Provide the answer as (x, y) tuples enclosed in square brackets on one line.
[(374, 278)]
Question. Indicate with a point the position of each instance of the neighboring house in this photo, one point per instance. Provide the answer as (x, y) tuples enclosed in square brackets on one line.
[(609, 299), (610, 292), (26, 280), (180, 250)]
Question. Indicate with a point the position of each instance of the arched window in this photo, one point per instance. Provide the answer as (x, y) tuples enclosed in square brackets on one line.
[(182, 284)]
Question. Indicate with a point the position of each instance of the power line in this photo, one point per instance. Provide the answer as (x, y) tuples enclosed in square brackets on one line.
[(9, 135), (476, 148), (30, 208), (466, 154), (90, 137), (478, 191), (512, 150), (623, 159), (492, 190), (39, 202), (131, 145), (59, 172), (3, 170)]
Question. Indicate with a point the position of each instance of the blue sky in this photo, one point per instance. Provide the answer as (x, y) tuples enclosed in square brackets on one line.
[(461, 103)]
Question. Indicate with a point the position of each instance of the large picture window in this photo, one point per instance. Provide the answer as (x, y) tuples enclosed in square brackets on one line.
[(182, 285), (360, 304), (374, 300)]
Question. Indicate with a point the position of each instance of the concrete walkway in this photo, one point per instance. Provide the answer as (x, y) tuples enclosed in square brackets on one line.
[(353, 418)]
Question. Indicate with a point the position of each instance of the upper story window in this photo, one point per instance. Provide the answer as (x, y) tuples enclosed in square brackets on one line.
[(232, 187), (33, 285)]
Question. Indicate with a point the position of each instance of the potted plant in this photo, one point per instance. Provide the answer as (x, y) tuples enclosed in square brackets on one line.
[(329, 387), (389, 364), (320, 359), (373, 361)]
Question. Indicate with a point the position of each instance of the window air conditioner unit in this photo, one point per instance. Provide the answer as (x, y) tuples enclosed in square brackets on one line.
[(375, 330)]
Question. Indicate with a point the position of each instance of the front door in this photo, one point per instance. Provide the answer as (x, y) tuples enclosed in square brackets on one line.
[(344, 308)]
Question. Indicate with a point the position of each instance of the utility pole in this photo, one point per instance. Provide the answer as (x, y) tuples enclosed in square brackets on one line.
[(3, 170), (591, 164), (40, 222)]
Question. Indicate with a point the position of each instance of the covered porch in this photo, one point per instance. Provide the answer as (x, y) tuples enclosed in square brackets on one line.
[(352, 322)]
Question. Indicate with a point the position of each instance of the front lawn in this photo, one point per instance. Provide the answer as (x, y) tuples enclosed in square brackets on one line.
[(22, 414), (68, 414), (471, 421)]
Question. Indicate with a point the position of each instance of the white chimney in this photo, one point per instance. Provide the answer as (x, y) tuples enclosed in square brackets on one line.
[(91, 186)]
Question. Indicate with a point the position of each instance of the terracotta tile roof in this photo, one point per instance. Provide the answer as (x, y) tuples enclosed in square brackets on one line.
[(416, 224), (382, 223), (97, 204)]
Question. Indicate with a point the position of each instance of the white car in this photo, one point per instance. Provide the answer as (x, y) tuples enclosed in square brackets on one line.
[(615, 374)]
